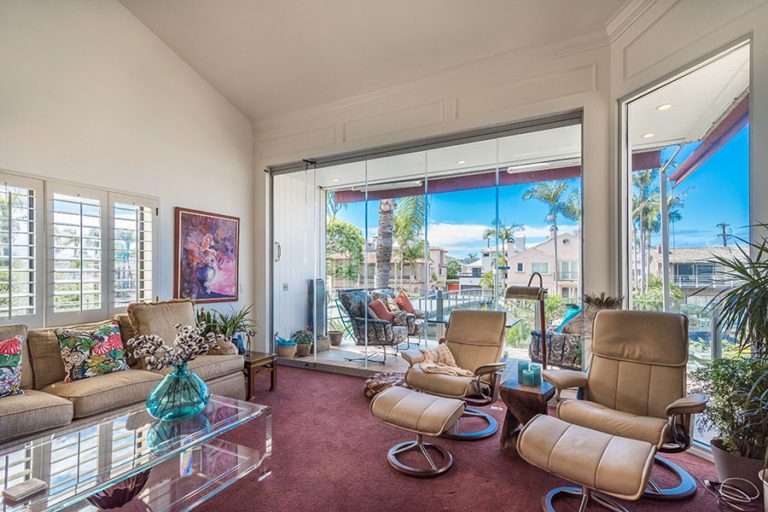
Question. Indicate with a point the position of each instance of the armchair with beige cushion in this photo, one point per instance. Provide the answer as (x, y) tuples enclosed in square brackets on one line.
[(635, 387), (475, 339)]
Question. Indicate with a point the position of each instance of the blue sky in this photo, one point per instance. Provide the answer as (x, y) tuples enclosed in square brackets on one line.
[(716, 192)]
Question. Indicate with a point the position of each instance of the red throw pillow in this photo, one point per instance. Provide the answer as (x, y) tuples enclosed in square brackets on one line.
[(403, 302), (381, 311)]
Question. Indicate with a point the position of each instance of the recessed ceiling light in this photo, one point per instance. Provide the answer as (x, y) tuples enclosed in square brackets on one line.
[(335, 180), (664, 106), (460, 162), (648, 135)]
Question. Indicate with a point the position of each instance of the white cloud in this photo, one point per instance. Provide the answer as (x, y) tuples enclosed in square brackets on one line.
[(542, 232), (456, 236)]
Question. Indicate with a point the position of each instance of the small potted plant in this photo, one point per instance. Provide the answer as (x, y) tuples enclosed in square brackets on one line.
[(235, 326), (304, 339), (285, 348), (336, 333)]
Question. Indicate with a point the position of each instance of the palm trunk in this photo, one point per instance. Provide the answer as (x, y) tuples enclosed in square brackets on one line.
[(384, 244), (554, 240)]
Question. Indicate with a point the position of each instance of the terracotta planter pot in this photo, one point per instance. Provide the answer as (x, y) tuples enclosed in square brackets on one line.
[(303, 349), (336, 337), (729, 465), (288, 351)]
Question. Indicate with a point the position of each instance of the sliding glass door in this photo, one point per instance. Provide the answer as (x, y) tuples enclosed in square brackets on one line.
[(394, 244)]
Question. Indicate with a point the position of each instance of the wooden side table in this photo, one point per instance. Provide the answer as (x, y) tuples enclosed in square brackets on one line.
[(523, 403), (256, 363)]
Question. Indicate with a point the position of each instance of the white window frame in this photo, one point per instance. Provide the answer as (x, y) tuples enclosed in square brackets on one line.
[(38, 186), (53, 318), (148, 202), (546, 263), (520, 266)]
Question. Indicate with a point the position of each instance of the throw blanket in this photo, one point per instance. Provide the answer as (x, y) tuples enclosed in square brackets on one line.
[(440, 360)]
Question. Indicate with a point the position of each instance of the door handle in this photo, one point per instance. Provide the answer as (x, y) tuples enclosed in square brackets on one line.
[(278, 251)]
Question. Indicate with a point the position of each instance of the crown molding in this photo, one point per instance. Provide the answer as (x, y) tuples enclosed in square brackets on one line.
[(626, 16), (558, 50)]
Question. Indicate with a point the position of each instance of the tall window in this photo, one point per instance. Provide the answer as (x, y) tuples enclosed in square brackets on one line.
[(76, 276), (132, 268), (686, 181), (19, 249)]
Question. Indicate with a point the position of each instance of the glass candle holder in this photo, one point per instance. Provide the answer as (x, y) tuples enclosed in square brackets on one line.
[(521, 366), (536, 369), (527, 378)]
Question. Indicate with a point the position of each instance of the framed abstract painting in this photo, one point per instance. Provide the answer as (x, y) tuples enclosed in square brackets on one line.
[(207, 254)]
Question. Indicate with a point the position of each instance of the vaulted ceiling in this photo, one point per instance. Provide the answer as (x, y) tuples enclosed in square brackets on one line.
[(273, 57)]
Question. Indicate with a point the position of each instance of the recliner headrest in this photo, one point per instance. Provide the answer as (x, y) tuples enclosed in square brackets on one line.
[(475, 327), (641, 336)]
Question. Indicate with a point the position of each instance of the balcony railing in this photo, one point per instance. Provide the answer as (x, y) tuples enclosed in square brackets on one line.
[(701, 281)]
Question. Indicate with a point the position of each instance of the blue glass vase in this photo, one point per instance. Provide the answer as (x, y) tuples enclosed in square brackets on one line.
[(180, 394)]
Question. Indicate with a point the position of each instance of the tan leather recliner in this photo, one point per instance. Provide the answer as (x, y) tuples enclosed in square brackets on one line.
[(475, 338), (635, 387)]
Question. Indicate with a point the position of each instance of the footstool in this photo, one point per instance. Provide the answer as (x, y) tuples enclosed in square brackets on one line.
[(422, 414), (601, 464), (377, 383)]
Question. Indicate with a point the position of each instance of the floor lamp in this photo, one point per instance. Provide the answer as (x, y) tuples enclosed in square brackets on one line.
[(538, 294)]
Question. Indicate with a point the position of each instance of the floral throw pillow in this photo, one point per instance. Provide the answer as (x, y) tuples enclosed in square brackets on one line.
[(10, 366), (88, 354)]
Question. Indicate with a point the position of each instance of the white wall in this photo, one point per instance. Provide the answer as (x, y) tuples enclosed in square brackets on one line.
[(88, 94)]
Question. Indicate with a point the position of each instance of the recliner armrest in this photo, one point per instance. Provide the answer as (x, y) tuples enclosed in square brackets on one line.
[(691, 404), (412, 357), (565, 379), (489, 368)]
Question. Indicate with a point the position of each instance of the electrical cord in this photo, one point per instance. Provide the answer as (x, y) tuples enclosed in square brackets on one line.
[(728, 495)]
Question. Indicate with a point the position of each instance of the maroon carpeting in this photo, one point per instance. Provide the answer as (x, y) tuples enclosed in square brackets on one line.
[(329, 454)]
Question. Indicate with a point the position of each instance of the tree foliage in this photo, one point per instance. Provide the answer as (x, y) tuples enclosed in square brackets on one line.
[(345, 238), (454, 267)]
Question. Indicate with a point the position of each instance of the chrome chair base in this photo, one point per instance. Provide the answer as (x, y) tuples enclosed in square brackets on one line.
[(432, 471), (456, 433), (587, 495), (685, 489)]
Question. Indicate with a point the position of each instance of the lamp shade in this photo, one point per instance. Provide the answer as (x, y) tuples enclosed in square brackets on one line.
[(525, 293)]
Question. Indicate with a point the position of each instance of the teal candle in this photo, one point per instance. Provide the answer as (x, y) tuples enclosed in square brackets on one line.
[(521, 366), (536, 369), (527, 378)]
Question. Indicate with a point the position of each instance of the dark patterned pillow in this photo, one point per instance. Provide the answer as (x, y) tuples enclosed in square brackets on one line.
[(10, 366), (88, 354)]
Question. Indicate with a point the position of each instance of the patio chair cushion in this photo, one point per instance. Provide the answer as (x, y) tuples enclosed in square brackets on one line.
[(404, 302), (380, 310)]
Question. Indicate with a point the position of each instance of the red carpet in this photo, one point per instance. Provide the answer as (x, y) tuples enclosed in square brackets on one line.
[(329, 454)]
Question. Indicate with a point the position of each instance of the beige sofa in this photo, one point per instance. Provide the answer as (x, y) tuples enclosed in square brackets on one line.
[(49, 402)]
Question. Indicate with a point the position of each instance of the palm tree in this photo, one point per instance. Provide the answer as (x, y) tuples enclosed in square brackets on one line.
[(333, 207), (550, 193), (472, 256), (404, 223), (384, 243)]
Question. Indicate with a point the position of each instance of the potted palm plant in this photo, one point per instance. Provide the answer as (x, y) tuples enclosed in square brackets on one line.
[(235, 326), (738, 387)]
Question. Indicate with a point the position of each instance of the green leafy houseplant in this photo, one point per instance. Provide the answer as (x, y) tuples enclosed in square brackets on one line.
[(229, 325), (744, 308), (304, 339), (737, 390)]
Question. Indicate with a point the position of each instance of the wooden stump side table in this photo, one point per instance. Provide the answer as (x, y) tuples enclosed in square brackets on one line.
[(523, 403), (256, 363)]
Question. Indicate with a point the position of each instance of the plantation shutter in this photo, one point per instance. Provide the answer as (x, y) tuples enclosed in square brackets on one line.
[(132, 255), (20, 255), (77, 279)]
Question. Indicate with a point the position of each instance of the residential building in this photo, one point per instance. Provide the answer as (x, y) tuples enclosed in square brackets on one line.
[(541, 258)]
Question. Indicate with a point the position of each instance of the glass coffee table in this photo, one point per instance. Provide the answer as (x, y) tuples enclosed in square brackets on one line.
[(129, 458)]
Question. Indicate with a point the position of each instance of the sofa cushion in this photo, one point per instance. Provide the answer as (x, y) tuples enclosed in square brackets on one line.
[(105, 392), (32, 412), (11, 350), (126, 332), (46, 356), (92, 353), (160, 318), (20, 330), (212, 367)]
